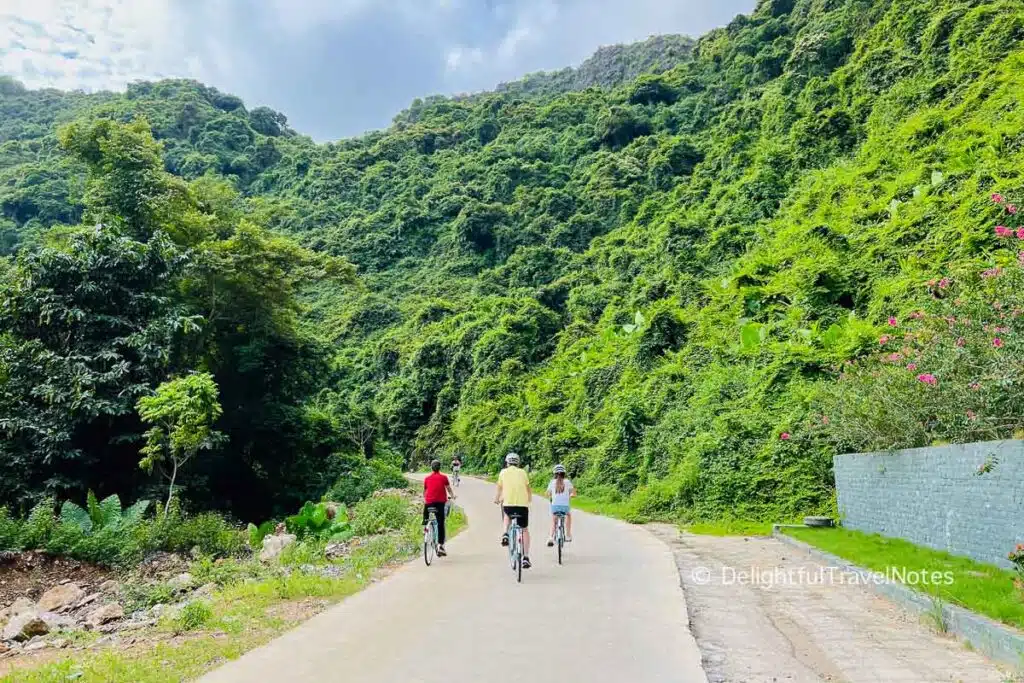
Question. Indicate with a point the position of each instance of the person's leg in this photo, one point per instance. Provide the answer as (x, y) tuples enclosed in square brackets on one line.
[(525, 521), (568, 526), (426, 515), (505, 522), (441, 533)]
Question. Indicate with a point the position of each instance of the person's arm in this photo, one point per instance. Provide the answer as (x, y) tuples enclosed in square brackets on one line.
[(448, 488), (529, 491), (497, 492), (572, 489)]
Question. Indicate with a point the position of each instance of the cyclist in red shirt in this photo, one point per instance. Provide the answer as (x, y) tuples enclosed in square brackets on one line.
[(436, 492)]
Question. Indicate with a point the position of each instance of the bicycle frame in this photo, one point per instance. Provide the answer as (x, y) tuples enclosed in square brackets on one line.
[(515, 548), (430, 537)]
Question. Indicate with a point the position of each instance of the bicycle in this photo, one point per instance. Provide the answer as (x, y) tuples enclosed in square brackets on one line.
[(455, 478), (560, 533), (430, 539), (515, 549)]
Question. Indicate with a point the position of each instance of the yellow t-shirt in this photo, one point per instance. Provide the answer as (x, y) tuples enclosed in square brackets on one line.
[(515, 487)]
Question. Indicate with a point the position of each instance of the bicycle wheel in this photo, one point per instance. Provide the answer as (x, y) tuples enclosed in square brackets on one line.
[(561, 541), (512, 546), (519, 556), (428, 547)]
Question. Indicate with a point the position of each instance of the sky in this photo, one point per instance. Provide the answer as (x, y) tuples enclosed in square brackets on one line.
[(336, 68)]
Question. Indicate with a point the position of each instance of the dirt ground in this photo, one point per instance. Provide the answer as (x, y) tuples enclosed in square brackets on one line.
[(758, 619), (30, 574)]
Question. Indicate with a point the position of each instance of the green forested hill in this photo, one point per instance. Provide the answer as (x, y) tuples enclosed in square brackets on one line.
[(655, 283)]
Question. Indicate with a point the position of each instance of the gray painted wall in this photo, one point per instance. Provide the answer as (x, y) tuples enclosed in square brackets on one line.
[(939, 497)]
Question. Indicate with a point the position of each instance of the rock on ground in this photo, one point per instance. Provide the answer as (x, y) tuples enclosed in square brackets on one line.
[(20, 606), (273, 545), (24, 626), (60, 597), (104, 614), (181, 582)]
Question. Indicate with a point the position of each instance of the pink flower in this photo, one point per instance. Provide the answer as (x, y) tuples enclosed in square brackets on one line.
[(1003, 231), (992, 272), (824, 419), (971, 415), (943, 283), (960, 342), (997, 342), (916, 315), (927, 379), (1020, 233), (998, 198), (1020, 258), (911, 366), (883, 340), (975, 386), (784, 436), (895, 357), (893, 322), (1011, 209)]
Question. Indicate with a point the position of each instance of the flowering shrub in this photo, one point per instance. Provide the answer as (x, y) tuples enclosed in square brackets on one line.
[(1017, 557), (950, 372)]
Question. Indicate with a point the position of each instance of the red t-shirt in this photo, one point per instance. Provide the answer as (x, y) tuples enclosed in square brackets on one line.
[(434, 488)]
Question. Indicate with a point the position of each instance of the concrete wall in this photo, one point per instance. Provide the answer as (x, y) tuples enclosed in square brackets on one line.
[(939, 497)]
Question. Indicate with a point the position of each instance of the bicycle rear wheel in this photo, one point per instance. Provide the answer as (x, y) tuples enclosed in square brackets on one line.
[(519, 556), (429, 540)]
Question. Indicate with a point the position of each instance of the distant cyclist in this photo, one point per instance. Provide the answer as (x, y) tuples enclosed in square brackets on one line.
[(560, 490), (436, 492), (456, 466), (514, 495)]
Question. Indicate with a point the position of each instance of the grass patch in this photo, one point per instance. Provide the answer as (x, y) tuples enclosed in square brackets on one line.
[(981, 588), (239, 617)]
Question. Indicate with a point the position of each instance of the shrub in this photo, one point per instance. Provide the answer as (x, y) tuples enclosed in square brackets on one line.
[(193, 615), (314, 520), (1017, 558), (139, 596), (365, 478), (226, 572), (210, 532), (10, 531), (950, 372), (379, 514), (40, 525)]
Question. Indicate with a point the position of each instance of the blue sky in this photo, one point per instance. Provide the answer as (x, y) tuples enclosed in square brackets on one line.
[(334, 67)]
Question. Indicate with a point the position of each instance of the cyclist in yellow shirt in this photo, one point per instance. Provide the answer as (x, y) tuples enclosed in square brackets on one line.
[(514, 495)]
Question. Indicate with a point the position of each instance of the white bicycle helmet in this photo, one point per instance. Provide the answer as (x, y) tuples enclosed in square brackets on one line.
[(559, 469), (512, 459)]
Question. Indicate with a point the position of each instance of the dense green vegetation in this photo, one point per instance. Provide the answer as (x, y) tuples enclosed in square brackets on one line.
[(655, 281)]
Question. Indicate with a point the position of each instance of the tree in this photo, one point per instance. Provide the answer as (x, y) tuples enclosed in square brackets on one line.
[(87, 325), (182, 412)]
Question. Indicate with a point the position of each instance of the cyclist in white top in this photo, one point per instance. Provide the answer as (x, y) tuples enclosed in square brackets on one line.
[(560, 490)]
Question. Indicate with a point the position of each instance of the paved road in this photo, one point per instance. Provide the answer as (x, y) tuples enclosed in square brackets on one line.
[(613, 612)]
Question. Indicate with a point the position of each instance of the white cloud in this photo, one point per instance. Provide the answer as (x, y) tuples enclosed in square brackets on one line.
[(460, 57), (93, 44)]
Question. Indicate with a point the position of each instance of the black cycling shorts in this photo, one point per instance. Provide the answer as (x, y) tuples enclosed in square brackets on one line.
[(520, 514)]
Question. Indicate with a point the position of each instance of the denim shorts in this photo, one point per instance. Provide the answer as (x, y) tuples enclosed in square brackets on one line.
[(559, 509)]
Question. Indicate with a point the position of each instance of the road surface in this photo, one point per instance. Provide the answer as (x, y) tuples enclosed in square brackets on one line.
[(613, 612)]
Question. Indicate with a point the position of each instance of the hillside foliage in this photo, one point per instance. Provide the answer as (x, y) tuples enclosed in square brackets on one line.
[(656, 280)]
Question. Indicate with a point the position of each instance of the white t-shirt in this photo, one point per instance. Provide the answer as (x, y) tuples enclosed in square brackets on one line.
[(563, 497)]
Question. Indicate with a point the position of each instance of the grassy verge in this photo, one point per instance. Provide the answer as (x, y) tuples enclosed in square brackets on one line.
[(981, 588), (244, 614)]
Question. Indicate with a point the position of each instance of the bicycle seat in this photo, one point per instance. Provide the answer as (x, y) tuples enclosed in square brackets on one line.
[(561, 514)]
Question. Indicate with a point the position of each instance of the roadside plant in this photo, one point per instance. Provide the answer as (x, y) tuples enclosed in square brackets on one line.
[(182, 412), (951, 370), (1017, 558)]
